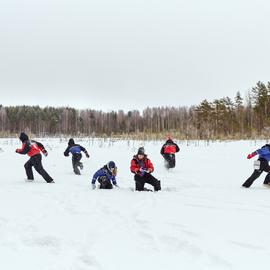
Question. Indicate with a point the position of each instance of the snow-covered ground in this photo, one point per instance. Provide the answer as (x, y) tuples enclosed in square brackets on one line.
[(202, 219)]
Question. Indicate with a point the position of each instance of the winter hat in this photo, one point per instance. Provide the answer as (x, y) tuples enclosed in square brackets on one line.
[(141, 151), (23, 137), (71, 142), (111, 165)]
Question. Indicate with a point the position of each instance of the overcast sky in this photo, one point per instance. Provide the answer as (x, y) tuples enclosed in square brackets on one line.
[(123, 54)]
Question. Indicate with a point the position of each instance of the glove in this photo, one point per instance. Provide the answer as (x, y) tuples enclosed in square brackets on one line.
[(87, 155), (251, 155), (93, 186), (17, 150), (142, 172), (145, 171), (45, 153)]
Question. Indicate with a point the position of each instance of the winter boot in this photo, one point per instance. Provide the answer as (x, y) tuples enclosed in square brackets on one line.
[(157, 186)]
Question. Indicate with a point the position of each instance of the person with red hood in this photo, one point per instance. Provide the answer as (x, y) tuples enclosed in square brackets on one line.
[(33, 149), (143, 168), (168, 151)]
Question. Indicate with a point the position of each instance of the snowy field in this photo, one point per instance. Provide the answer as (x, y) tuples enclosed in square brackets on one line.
[(202, 219)]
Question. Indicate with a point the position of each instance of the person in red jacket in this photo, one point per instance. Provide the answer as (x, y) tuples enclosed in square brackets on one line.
[(168, 151), (143, 168), (33, 149)]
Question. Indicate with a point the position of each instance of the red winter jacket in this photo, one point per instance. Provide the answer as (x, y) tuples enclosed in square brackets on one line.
[(137, 164), (31, 148), (169, 148)]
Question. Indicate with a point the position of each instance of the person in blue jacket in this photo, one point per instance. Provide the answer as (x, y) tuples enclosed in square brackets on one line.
[(260, 166), (106, 177), (75, 150)]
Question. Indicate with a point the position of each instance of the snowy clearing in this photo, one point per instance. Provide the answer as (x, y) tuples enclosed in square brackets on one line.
[(202, 219)]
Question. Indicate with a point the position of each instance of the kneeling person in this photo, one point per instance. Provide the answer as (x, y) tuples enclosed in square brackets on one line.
[(142, 167), (106, 177)]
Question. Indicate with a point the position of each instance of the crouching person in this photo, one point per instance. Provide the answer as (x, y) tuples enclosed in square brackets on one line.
[(106, 177), (143, 168)]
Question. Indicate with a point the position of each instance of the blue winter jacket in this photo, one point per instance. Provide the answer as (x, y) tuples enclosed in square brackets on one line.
[(264, 152), (104, 172), (75, 149)]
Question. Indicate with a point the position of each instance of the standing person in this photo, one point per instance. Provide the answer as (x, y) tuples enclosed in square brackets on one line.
[(260, 166), (75, 150), (33, 149), (168, 151), (143, 168), (106, 176)]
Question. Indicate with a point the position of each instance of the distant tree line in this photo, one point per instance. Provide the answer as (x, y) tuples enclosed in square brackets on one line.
[(219, 119)]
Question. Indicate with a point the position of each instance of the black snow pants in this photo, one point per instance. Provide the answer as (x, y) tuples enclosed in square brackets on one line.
[(146, 178), (105, 183), (169, 160), (76, 158), (264, 167), (35, 162)]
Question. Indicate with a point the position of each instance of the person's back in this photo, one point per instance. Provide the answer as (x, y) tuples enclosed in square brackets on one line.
[(75, 150)]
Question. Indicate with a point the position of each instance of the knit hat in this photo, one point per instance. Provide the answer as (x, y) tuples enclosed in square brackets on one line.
[(23, 137), (141, 151)]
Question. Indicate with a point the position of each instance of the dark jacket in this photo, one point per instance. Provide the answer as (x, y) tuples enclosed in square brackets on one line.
[(75, 149)]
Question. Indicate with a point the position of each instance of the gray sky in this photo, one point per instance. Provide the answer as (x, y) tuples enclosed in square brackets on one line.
[(113, 54)]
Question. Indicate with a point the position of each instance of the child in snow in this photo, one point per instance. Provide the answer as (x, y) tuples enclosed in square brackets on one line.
[(106, 176), (261, 165), (75, 150), (33, 149), (168, 151), (142, 167)]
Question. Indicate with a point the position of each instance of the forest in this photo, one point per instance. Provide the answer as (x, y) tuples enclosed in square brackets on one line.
[(225, 118)]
